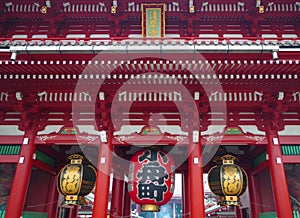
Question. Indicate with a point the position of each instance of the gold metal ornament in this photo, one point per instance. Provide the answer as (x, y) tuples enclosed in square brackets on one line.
[(113, 9), (261, 9), (44, 9), (228, 181), (192, 9), (150, 208), (75, 180)]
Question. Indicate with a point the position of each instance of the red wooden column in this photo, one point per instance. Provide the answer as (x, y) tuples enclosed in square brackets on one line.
[(196, 194), (103, 179), (52, 198), (74, 211), (22, 176), (278, 177), (238, 212), (185, 195), (127, 202), (254, 196), (117, 199)]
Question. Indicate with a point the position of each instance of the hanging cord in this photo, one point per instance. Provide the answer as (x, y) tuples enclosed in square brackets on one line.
[(295, 200), (263, 205), (40, 205)]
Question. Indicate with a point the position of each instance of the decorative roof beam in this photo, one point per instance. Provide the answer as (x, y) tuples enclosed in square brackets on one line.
[(125, 49)]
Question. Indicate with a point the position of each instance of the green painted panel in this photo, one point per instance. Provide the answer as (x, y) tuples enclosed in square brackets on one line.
[(259, 159), (2, 213), (10, 149), (27, 214), (290, 149), (45, 158), (268, 215), (34, 215), (296, 214)]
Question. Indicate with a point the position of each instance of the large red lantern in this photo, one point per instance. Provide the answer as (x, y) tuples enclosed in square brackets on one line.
[(151, 179)]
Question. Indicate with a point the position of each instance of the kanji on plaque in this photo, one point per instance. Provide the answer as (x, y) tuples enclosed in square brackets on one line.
[(151, 179), (153, 20)]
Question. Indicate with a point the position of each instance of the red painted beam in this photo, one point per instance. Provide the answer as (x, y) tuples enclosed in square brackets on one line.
[(262, 166), (9, 159), (11, 140), (289, 140), (291, 159), (44, 167), (67, 140)]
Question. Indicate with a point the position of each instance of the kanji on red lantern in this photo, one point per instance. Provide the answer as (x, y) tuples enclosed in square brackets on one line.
[(151, 177)]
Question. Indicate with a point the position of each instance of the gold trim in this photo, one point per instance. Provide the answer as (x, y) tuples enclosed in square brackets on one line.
[(143, 29), (231, 198), (163, 31), (150, 208), (71, 197), (164, 21)]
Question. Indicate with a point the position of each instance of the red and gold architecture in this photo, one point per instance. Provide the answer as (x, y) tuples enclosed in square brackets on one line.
[(216, 77)]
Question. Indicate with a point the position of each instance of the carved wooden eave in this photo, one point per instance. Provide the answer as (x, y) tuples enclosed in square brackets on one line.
[(235, 138), (74, 138)]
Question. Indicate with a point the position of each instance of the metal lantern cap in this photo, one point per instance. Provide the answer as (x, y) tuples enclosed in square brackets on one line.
[(76, 158), (228, 159)]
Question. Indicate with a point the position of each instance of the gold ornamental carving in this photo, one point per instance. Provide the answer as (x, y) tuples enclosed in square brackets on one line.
[(70, 180)]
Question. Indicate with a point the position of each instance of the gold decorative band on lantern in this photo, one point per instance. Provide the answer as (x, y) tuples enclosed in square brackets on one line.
[(229, 200), (150, 208)]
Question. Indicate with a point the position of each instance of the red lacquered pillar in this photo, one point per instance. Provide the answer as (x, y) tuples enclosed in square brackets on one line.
[(116, 208), (185, 195), (238, 212), (22, 176), (196, 178), (254, 196), (74, 212), (127, 203), (278, 177), (52, 198), (103, 179)]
